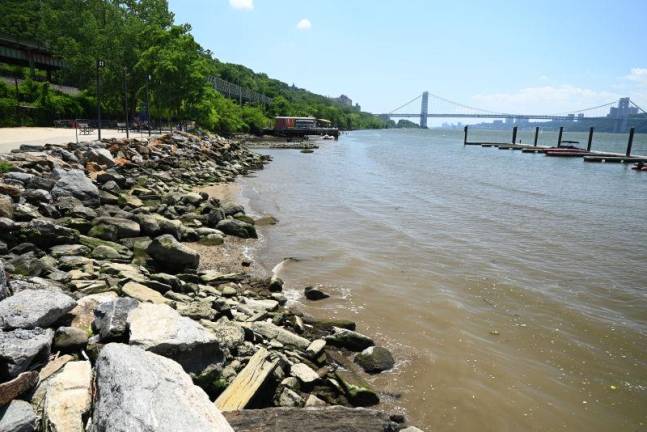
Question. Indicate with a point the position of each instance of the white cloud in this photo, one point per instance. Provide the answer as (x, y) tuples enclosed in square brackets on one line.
[(545, 99), (304, 24), (242, 4), (638, 75)]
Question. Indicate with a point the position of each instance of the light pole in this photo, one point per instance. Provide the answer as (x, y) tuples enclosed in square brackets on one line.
[(100, 64), (148, 113), (126, 99)]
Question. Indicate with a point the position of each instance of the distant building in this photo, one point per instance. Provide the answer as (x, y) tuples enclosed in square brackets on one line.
[(344, 100)]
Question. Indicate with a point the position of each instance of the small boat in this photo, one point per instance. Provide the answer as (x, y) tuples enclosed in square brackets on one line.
[(640, 166), (307, 150), (328, 137)]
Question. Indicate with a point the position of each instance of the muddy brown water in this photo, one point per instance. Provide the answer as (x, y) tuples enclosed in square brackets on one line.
[(511, 287)]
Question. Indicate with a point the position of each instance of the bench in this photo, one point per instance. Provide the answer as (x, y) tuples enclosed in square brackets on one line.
[(121, 127), (85, 129)]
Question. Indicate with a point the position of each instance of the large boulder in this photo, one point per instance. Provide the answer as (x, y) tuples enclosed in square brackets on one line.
[(111, 318), (138, 391), (69, 398), (75, 183), (18, 416), (34, 308), (375, 359), (237, 228), (171, 254), (45, 233), (162, 330), (20, 349)]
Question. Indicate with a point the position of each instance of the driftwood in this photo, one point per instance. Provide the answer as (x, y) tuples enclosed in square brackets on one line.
[(12, 389), (243, 388), (324, 419)]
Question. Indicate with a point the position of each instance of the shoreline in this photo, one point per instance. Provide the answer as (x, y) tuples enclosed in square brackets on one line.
[(104, 227)]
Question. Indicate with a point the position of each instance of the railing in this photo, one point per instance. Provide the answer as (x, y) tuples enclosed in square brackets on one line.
[(234, 91)]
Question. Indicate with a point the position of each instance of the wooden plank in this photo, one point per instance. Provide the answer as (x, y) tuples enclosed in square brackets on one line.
[(324, 419), (247, 383)]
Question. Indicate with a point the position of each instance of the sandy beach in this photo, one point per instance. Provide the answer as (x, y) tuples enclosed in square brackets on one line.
[(13, 138)]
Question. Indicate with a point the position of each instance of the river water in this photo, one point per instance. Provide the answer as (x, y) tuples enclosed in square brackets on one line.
[(512, 288)]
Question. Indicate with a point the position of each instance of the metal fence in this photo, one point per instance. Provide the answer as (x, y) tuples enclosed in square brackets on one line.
[(234, 91)]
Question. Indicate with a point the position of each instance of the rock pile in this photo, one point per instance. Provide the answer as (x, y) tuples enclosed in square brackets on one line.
[(106, 323)]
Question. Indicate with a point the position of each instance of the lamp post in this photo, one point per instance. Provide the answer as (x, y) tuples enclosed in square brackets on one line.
[(126, 100), (100, 64), (148, 114)]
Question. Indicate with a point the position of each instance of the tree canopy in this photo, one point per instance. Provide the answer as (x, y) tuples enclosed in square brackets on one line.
[(143, 48)]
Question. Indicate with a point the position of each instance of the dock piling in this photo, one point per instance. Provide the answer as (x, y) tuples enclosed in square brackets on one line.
[(559, 138), (630, 141), (514, 135), (536, 135), (590, 142), (465, 136)]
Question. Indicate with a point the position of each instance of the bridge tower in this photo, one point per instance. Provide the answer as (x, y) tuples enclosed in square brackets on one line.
[(424, 110)]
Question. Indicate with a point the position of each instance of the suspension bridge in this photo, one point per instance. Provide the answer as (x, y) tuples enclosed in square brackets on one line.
[(452, 109)]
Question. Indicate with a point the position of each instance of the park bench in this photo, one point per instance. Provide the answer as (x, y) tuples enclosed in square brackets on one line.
[(85, 129), (121, 127)]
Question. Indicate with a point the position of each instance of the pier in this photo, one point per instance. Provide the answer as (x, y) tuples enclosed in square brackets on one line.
[(561, 150)]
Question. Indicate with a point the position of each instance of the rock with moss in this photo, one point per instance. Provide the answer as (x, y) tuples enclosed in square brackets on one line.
[(171, 254)]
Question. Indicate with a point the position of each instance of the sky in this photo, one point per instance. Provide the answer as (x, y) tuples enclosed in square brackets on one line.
[(505, 56)]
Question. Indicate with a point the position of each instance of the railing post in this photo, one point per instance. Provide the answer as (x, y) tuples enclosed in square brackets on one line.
[(465, 137), (536, 135), (514, 135), (559, 137), (590, 142), (631, 141)]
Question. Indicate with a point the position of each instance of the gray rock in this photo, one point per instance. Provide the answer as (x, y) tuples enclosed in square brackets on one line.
[(289, 398), (20, 349), (69, 250), (304, 373), (138, 391), (44, 233), (70, 339), (111, 318), (349, 339), (75, 183), (375, 359), (123, 227), (18, 416), (6, 206), (237, 228), (162, 330), (100, 156), (104, 252), (314, 293), (171, 254), (227, 335), (5, 288), (27, 265), (34, 308), (36, 196)]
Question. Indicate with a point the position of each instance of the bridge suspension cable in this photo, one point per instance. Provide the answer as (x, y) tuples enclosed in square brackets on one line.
[(586, 109), (634, 104), (406, 103)]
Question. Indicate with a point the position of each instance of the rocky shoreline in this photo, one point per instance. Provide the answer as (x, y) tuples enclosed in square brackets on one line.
[(109, 321)]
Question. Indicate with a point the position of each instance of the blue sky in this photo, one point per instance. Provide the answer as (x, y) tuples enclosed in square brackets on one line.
[(512, 56)]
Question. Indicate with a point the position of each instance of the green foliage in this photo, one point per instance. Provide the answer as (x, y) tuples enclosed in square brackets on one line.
[(5, 167), (138, 39)]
